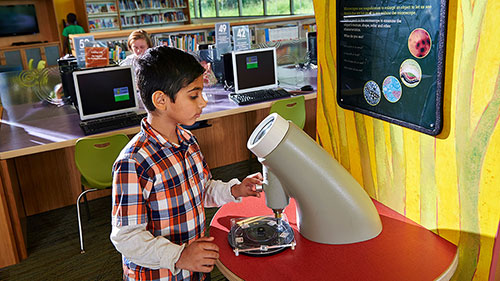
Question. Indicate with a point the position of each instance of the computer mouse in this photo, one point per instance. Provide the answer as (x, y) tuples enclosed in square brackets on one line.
[(306, 88)]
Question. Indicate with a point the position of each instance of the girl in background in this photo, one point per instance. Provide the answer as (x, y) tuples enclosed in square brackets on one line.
[(138, 42)]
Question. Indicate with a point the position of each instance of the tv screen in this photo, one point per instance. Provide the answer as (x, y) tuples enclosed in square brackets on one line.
[(18, 20)]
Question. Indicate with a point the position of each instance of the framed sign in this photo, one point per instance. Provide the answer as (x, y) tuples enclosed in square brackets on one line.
[(241, 38), (222, 38), (96, 56), (79, 47), (391, 60)]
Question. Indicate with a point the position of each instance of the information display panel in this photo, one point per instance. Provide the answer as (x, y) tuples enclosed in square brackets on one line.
[(391, 60)]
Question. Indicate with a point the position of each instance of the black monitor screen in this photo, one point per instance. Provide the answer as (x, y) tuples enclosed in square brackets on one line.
[(312, 50), (255, 69), (104, 92), (18, 20)]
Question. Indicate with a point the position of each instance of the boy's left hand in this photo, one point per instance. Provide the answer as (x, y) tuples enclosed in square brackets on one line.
[(248, 186)]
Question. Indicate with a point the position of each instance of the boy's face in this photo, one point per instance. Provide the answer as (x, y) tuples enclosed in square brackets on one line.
[(189, 103)]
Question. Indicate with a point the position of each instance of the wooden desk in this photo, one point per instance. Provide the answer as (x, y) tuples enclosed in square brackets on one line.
[(402, 251), (37, 170)]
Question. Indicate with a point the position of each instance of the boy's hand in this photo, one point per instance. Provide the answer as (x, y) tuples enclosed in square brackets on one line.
[(199, 256), (248, 186)]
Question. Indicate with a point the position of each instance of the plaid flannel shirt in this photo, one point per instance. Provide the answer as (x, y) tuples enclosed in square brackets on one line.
[(161, 185)]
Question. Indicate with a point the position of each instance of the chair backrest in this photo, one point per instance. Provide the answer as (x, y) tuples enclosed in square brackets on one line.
[(94, 158), (292, 109), (41, 65), (30, 64)]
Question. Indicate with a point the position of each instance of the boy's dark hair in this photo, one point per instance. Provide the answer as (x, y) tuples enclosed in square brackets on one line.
[(166, 69), (71, 18)]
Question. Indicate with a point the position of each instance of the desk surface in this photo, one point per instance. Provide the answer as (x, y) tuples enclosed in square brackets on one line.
[(30, 126), (403, 251)]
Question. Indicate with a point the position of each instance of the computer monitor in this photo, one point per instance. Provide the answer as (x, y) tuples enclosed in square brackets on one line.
[(103, 92), (312, 50), (254, 70)]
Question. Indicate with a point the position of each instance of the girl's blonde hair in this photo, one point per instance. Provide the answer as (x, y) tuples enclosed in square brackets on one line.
[(139, 34)]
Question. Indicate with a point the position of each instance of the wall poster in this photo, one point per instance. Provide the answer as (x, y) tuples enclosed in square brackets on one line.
[(391, 60)]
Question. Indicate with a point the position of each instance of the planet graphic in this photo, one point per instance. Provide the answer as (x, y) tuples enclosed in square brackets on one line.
[(410, 73), (391, 89), (371, 92), (419, 43)]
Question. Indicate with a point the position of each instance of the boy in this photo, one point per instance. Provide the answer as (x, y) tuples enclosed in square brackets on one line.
[(72, 28), (161, 182)]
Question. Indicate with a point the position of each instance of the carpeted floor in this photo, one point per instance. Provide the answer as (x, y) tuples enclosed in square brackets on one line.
[(53, 243)]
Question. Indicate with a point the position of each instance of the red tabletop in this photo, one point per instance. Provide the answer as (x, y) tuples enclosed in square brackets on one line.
[(403, 251)]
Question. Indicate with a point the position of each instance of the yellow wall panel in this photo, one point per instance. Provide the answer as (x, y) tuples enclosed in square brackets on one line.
[(412, 144), (449, 183), (446, 180), (487, 52), (371, 148), (354, 157)]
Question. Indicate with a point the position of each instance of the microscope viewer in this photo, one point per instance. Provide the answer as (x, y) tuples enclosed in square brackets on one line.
[(332, 208)]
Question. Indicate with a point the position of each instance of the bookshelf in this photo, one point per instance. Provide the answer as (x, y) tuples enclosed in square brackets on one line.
[(102, 15), (188, 36), (110, 15)]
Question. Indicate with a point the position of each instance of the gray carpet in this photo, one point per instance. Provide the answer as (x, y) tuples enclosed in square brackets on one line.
[(54, 247)]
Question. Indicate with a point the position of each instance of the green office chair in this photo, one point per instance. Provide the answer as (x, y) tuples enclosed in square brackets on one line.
[(292, 109), (30, 64), (94, 157), (41, 65)]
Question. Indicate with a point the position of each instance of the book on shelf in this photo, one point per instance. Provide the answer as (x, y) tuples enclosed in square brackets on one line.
[(282, 33), (186, 42), (134, 5), (309, 27), (90, 9), (143, 18), (174, 16), (103, 23), (100, 8), (103, 8), (111, 8), (174, 3)]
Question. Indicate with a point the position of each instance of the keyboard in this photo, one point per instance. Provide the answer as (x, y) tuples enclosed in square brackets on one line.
[(259, 96), (103, 124)]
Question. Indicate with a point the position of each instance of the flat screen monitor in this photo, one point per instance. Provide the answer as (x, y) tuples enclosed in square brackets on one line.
[(312, 50), (254, 70), (103, 92), (18, 20)]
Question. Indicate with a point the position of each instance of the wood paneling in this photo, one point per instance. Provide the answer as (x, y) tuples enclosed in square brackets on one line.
[(225, 141), (48, 180), (12, 216), (22, 52), (9, 254), (47, 23)]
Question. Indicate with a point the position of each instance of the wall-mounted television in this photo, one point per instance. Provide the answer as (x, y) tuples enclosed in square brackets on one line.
[(18, 20)]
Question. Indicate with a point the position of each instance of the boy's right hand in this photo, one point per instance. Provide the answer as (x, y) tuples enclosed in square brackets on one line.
[(199, 256)]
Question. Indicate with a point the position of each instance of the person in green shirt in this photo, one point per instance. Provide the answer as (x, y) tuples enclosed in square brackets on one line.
[(72, 28)]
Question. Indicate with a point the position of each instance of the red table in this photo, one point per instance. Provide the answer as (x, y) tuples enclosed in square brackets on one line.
[(403, 251)]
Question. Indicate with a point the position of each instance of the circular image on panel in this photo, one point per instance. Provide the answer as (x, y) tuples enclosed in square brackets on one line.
[(371, 92), (391, 89), (419, 43), (410, 73)]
